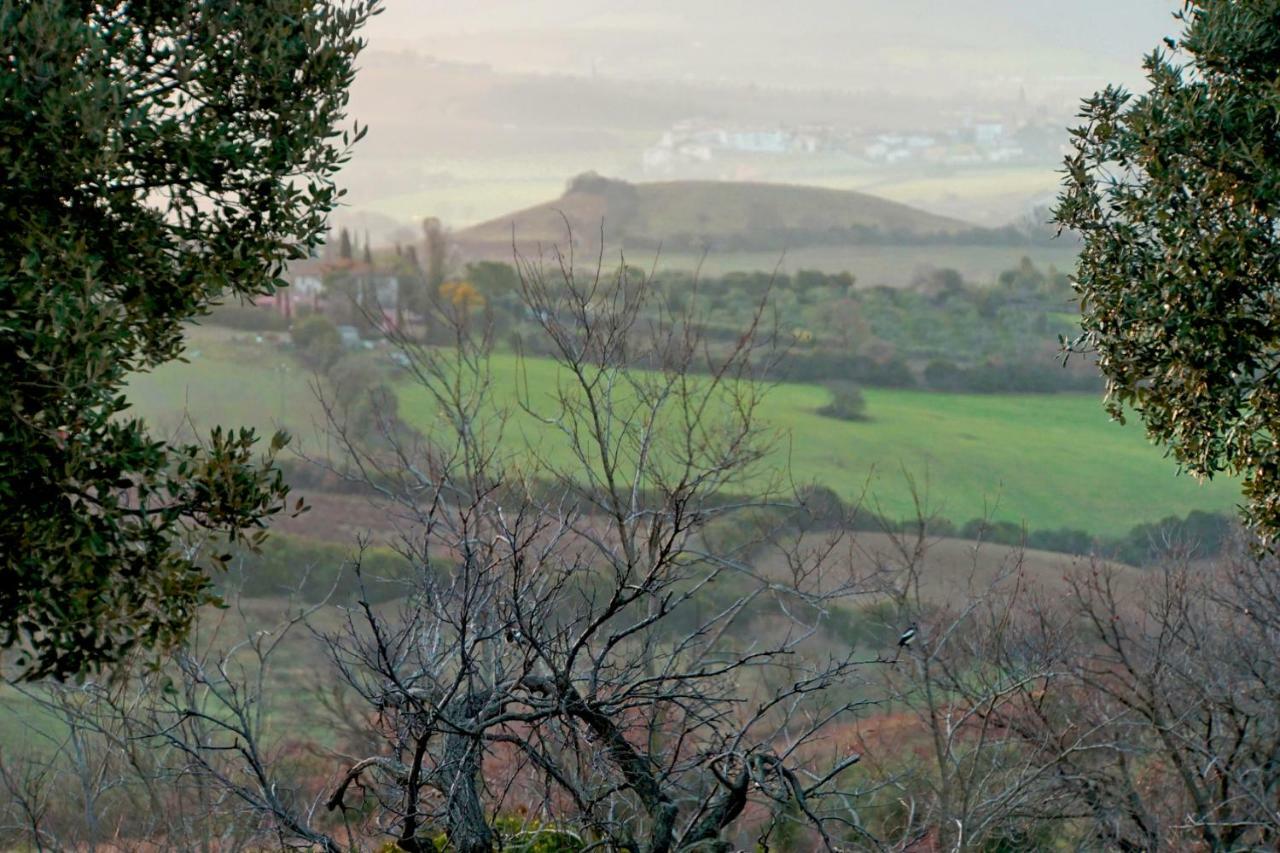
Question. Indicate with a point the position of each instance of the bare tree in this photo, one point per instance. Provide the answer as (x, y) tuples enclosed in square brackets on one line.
[(572, 647), (953, 775), (172, 759), (1167, 692), (586, 647), (614, 632)]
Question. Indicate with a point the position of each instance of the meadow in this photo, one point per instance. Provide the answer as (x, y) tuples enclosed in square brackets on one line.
[(229, 379), (1049, 461)]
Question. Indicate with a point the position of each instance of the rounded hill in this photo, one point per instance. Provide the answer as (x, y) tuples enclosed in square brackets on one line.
[(712, 215)]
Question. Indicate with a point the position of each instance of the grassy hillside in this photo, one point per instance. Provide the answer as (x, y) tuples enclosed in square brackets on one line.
[(721, 215), (1051, 461), (231, 379)]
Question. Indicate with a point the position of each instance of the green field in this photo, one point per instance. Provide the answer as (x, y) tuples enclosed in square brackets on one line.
[(1049, 460), (231, 379)]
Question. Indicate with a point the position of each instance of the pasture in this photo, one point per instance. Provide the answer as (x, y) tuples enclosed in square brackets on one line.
[(230, 379), (1049, 461)]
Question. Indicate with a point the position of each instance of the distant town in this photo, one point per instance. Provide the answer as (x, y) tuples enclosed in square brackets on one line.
[(693, 144)]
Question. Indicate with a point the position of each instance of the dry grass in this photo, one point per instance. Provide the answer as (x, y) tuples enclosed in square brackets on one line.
[(952, 570)]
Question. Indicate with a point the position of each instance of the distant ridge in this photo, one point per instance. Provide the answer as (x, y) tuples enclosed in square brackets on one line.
[(716, 215)]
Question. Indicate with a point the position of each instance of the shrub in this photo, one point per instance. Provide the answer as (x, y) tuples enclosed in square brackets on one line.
[(743, 534), (521, 835), (821, 506), (354, 376), (1064, 540), (938, 526), (847, 402), (943, 375), (865, 625), (1199, 536), (318, 341), (998, 532)]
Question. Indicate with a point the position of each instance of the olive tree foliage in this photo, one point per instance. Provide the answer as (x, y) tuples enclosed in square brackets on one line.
[(155, 158), (1176, 194)]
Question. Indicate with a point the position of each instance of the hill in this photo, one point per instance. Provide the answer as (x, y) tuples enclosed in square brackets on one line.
[(716, 216)]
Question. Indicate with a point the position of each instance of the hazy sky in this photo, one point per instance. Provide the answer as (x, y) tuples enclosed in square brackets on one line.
[(527, 93), (901, 45)]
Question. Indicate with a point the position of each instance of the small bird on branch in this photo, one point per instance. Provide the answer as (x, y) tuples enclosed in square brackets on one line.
[(908, 635)]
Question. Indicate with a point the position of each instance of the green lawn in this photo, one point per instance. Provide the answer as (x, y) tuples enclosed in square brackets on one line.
[(1051, 460), (231, 379)]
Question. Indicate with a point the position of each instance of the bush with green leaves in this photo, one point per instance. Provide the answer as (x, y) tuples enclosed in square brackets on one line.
[(367, 406), (846, 403), (354, 376), (318, 342), (155, 159)]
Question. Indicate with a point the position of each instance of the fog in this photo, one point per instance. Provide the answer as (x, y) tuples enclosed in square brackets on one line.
[(478, 109), (916, 47)]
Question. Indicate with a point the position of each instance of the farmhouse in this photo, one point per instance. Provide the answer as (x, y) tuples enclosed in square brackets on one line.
[(337, 288)]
